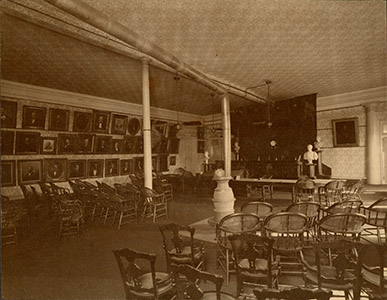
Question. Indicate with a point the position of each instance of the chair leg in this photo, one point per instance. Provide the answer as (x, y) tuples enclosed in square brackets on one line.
[(154, 213), (120, 220), (227, 267)]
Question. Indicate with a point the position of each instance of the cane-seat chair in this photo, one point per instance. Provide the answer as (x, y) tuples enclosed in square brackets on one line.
[(376, 215), (154, 204), (187, 280), (346, 206), (70, 216), (330, 193), (181, 247), (254, 262), (304, 190), (139, 276), (353, 190), (235, 223)]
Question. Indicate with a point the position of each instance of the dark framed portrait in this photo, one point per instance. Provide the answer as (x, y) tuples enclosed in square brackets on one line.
[(126, 166), (27, 142), (139, 164), (48, 145), (200, 147), (102, 144), (129, 145), (101, 121), (173, 145), (82, 121), (346, 132), (200, 133), (8, 114), (117, 146), (8, 175), (172, 160), (66, 143), (58, 119), (95, 168), (30, 171), (134, 126), (76, 169), (119, 124), (111, 167), (138, 145), (55, 170), (34, 117), (85, 143), (7, 142)]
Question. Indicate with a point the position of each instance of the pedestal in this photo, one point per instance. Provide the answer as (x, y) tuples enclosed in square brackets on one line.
[(223, 200), (311, 168), (319, 162)]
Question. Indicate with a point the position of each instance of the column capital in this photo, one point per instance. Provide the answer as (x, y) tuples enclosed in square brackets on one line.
[(145, 60), (373, 106)]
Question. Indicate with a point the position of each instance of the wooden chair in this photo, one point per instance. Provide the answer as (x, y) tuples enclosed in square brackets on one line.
[(154, 204), (162, 186), (125, 209), (347, 206), (254, 261), (70, 217), (139, 276), (235, 223), (181, 249), (287, 230), (11, 216), (330, 193), (304, 190), (292, 293), (376, 215), (374, 279), (187, 280), (353, 190), (337, 266), (261, 209)]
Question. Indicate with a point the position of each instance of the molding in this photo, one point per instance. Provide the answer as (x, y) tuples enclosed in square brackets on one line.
[(24, 91), (378, 94)]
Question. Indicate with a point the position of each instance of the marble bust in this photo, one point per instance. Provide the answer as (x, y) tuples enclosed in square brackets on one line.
[(310, 155)]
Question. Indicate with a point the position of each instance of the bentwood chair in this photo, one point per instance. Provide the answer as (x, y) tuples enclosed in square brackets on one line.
[(292, 293), (139, 276), (330, 193), (235, 223), (304, 190), (353, 191), (376, 215), (187, 279), (347, 206), (180, 246), (254, 262)]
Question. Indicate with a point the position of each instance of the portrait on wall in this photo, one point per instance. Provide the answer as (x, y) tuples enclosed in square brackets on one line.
[(66, 143), (55, 170), (134, 126), (117, 146), (82, 121), (58, 119), (173, 146), (101, 121), (7, 142), (119, 124), (200, 147), (8, 175), (126, 166), (200, 133), (102, 144), (8, 114), (138, 145), (48, 145), (172, 160), (346, 132), (139, 164), (129, 145), (30, 171), (95, 168), (85, 143), (27, 142), (34, 117), (111, 167), (77, 169)]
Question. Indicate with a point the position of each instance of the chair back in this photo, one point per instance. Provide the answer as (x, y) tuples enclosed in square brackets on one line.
[(298, 293), (348, 206), (374, 270), (239, 223), (353, 191), (331, 192), (261, 209), (380, 204), (341, 225), (304, 190)]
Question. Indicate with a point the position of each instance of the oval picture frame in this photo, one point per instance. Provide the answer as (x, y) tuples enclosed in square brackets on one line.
[(134, 126)]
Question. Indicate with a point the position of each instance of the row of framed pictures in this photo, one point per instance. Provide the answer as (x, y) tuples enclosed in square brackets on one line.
[(34, 117), (62, 169), (82, 143)]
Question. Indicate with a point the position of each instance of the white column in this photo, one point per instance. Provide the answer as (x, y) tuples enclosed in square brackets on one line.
[(147, 145), (373, 154), (226, 134)]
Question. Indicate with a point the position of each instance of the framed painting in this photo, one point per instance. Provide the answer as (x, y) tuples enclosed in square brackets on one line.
[(200, 133), (66, 143), (82, 121), (76, 169), (85, 143), (116, 146), (8, 175), (139, 164), (95, 168), (138, 145), (119, 124), (134, 126), (172, 160), (7, 142), (200, 148), (55, 170), (27, 142), (34, 117), (8, 114), (101, 121), (111, 167), (346, 132), (102, 144), (129, 145), (48, 145), (30, 171), (58, 119), (126, 166)]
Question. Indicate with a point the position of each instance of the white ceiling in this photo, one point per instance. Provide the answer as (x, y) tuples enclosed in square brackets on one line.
[(301, 46)]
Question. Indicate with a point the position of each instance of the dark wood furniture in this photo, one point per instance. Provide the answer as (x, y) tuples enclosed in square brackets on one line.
[(298, 293)]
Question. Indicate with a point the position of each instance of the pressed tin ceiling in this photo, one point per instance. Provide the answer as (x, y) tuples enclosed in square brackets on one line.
[(302, 46)]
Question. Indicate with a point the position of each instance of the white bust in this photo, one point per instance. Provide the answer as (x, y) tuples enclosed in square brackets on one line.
[(318, 143), (310, 155), (206, 157), (236, 147)]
